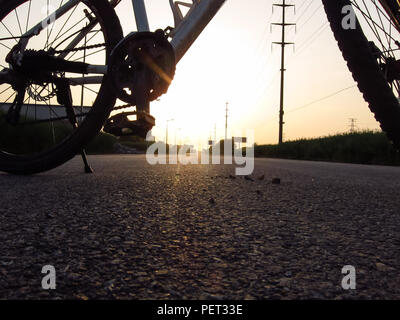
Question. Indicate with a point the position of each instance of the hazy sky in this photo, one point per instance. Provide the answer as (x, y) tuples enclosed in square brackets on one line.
[(233, 60)]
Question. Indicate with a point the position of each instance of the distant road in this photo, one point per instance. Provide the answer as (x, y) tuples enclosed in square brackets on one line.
[(137, 231)]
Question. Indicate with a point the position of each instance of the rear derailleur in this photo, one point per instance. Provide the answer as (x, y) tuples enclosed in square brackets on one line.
[(41, 68)]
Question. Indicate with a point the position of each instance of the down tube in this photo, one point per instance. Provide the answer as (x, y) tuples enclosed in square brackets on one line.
[(192, 26)]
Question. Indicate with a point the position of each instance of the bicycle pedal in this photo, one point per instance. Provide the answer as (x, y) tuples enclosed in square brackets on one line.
[(120, 125)]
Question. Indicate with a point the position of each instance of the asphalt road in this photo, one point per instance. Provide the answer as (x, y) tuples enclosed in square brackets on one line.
[(135, 231)]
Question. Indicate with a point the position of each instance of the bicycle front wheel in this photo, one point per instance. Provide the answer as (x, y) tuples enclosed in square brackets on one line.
[(38, 129), (371, 50)]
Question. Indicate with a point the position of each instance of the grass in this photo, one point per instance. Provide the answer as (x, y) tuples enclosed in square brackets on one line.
[(104, 143), (366, 147), (38, 137), (138, 143), (29, 138)]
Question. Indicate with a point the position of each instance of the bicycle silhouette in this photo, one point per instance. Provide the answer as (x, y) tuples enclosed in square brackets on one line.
[(65, 64)]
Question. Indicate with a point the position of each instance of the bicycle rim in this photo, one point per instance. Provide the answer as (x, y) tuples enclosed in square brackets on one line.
[(45, 137)]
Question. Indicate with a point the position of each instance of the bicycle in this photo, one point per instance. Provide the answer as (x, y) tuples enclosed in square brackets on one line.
[(371, 50), (78, 53)]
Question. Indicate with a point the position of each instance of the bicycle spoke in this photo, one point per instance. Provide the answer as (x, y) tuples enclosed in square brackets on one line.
[(5, 46), (52, 43), (379, 29), (367, 20), (69, 17), (383, 26), (41, 123), (5, 90), (373, 25), (28, 15), (89, 89), (73, 53), (72, 35), (19, 24), (90, 54), (48, 36), (13, 94), (47, 46), (8, 30)]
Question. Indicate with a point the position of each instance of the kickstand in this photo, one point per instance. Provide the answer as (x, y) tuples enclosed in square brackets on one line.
[(64, 97), (88, 168)]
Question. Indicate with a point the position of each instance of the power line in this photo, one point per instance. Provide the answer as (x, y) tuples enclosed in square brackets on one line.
[(268, 86), (305, 10), (321, 99), (302, 4), (265, 37), (312, 38), (301, 27), (262, 64), (312, 15)]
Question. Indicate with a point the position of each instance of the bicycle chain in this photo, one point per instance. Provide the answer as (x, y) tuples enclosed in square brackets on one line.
[(125, 106), (94, 46), (86, 48)]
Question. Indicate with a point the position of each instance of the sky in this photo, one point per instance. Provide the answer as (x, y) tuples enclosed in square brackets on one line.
[(234, 61)]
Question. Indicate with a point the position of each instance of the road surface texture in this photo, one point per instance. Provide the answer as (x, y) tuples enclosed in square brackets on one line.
[(135, 231)]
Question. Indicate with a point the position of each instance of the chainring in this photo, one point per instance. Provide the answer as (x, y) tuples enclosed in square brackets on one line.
[(135, 52)]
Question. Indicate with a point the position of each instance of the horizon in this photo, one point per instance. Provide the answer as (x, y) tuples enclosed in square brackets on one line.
[(234, 61), (240, 31)]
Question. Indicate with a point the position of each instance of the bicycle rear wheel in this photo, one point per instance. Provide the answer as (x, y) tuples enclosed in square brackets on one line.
[(370, 50), (45, 133)]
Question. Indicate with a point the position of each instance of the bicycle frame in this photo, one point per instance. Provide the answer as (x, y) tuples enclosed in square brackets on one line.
[(186, 31)]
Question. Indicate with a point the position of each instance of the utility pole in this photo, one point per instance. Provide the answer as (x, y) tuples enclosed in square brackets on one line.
[(180, 136), (166, 133), (283, 44), (226, 121), (353, 125)]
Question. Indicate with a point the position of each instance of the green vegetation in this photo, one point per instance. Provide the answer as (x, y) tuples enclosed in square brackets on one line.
[(136, 142), (29, 138), (103, 143), (367, 147), (38, 137)]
